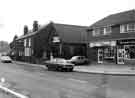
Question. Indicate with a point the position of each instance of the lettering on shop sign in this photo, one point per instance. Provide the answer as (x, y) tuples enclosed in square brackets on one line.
[(126, 42)]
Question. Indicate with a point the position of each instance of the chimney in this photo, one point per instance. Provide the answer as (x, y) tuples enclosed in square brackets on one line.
[(35, 26), (25, 29)]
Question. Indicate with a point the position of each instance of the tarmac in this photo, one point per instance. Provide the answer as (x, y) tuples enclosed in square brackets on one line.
[(112, 69)]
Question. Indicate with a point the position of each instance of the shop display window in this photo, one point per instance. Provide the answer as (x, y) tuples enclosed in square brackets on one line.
[(130, 51), (109, 52)]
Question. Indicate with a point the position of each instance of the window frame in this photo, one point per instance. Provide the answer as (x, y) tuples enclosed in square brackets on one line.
[(101, 31), (125, 28), (127, 56), (109, 52)]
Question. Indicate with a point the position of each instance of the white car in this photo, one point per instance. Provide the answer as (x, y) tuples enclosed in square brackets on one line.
[(5, 59), (59, 64), (79, 60)]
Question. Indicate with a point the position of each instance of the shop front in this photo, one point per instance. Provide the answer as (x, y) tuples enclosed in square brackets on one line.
[(106, 51), (117, 52), (126, 51)]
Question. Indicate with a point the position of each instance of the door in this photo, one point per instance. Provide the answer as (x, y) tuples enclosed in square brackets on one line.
[(100, 56), (120, 55)]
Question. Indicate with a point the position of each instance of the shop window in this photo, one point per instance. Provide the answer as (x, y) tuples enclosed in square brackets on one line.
[(109, 52), (130, 52)]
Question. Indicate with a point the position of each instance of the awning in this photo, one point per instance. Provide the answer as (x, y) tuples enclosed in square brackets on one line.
[(102, 43)]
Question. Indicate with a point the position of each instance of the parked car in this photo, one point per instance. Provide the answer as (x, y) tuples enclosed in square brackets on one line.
[(78, 60), (59, 64), (5, 59)]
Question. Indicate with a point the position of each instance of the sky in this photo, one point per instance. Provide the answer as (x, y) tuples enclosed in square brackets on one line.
[(14, 14)]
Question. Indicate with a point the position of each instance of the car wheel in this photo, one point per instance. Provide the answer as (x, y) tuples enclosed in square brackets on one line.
[(48, 68), (59, 68), (71, 69)]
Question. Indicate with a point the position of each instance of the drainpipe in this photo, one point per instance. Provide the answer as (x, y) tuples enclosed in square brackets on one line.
[(60, 47)]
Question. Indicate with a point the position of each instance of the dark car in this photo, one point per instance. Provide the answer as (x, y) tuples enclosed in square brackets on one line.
[(59, 64)]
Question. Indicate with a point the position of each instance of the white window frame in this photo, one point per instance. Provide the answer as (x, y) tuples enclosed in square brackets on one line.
[(25, 42), (122, 28), (131, 29), (125, 28), (125, 57), (29, 42), (107, 32), (101, 31), (96, 32)]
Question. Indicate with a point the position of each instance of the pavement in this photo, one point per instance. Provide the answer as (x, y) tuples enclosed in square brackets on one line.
[(107, 69)]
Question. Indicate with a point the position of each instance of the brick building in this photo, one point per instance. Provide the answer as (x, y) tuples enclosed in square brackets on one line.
[(112, 39), (59, 40)]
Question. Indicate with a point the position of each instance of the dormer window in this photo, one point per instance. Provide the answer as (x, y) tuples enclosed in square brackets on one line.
[(125, 28)]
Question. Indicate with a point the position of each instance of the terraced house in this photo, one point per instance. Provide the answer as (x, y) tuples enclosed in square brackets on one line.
[(112, 39), (58, 40)]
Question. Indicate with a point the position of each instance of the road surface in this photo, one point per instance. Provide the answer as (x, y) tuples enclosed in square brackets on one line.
[(41, 83)]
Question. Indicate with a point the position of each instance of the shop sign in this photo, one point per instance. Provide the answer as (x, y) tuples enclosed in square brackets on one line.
[(56, 39), (102, 43), (126, 42)]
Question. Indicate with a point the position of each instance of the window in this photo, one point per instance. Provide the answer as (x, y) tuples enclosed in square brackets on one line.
[(96, 32), (127, 28), (25, 41), (29, 42), (123, 28), (107, 30), (109, 52), (130, 51), (131, 27), (101, 31)]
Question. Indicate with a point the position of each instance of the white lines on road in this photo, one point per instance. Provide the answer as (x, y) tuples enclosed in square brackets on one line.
[(76, 80), (7, 90)]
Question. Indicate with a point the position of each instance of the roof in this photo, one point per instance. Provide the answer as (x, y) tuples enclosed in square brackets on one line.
[(31, 33), (114, 19), (71, 33), (68, 33)]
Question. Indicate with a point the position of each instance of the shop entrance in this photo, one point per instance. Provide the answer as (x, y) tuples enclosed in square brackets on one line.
[(120, 54), (100, 55)]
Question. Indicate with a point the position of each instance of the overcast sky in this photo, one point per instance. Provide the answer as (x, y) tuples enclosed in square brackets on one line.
[(14, 14)]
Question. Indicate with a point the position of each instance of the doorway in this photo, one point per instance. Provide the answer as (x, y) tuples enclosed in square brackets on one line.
[(100, 55), (120, 54)]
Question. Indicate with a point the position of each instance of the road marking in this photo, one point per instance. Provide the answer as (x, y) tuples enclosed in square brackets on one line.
[(76, 80), (7, 90)]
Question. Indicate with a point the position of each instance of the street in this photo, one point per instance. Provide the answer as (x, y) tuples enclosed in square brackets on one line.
[(37, 82)]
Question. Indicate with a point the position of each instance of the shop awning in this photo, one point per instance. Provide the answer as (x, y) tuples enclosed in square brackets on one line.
[(102, 43)]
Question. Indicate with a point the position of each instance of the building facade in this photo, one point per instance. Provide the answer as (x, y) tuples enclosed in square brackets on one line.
[(112, 39), (52, 39)]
